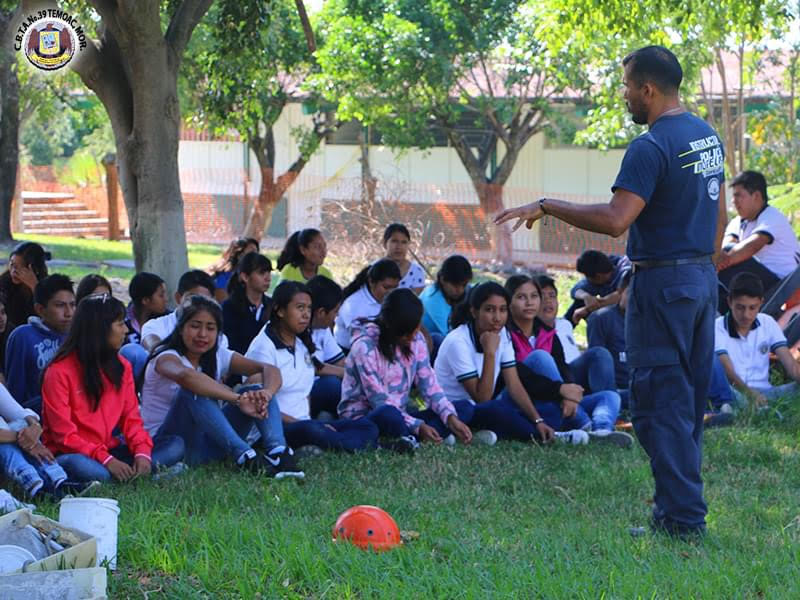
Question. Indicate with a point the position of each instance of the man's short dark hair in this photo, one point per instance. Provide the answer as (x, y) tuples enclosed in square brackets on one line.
[(593, 262), (656, 65), (745, 284), (195, 278), (753, 182), (49, 286)]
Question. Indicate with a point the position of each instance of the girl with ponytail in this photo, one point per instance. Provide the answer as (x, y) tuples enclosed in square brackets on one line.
[(303, 255)]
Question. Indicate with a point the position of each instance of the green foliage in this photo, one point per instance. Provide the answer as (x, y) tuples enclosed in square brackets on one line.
[(246, 60), (786, 198)]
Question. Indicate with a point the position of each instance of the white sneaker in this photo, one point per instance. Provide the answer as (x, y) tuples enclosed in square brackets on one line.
[(485, 436), (617, 438), (450, 440), (726, 409), (576, 437)]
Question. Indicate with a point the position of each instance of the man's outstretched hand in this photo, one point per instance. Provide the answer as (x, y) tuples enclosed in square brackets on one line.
[(528, 214)]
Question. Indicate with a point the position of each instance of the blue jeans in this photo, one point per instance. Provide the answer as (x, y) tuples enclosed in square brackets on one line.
[(137, 356), (504, 417), (599, 409), (349, 435), (211, 432), (167, 450), (28, 472), (464, 409), (389, 420), (594, 370), (325, 395), (669, 339)]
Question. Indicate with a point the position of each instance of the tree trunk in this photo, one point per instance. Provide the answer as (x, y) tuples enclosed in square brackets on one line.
[(133, 69), (369, 182), (491, 199), (9, 124), (741, 121), (730, 138), (269, 194)]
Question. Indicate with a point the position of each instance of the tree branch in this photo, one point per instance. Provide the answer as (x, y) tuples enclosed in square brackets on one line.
[(301, 12), (183, 22)]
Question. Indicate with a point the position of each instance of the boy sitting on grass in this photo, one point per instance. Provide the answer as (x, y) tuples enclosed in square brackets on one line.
[(744, 338)]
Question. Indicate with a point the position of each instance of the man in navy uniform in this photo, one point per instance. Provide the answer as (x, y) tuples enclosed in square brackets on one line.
[(669, 194)]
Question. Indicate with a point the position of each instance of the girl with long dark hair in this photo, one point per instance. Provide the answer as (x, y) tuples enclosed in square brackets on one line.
[(93, 284), (363, 297), (247, 308), (88, 391), (439, 298), (326, 298), (223, 271), (396, 242), (286, 343), (473, 357), (580, 409), (182, 391), (302, 256), (385, 362), (27, 265), (148, 294)]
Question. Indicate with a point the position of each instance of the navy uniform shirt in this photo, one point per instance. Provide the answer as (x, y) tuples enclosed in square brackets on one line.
[(677, 169)]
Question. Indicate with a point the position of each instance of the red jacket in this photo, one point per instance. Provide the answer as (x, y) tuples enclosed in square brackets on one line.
[(71, 427)]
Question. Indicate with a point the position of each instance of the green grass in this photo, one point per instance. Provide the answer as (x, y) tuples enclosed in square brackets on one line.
[(512, 521)]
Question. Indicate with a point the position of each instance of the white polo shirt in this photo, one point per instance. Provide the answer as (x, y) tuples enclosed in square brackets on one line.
[(295, 365), (750, 354), (360, 305), (162, 328), (781, 253), (328, 351), (458, 360), (159, 392), (566, 336)]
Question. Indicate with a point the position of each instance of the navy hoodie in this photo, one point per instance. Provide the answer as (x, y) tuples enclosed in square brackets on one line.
[(28, 351)]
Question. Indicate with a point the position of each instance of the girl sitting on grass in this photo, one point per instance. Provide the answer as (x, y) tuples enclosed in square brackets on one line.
[(385, 362), (562, 404), (92, 285), (26, 266), (302, 256), (23, 458), (472, 358), (222, 271), (326, 298), (286, 343), (182, 392), (148, 294), (363, 297), (88, 391), (396, 240), (247, 308)]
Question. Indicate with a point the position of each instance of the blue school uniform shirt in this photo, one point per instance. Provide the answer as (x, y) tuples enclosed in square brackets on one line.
[(680, 183), (621, 265), (606, 328), (437, 310), (29, 350)]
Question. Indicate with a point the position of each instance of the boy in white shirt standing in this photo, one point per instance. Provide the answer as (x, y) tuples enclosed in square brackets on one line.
[(744, 338)]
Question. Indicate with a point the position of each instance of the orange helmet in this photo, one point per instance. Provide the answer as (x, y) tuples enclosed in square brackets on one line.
[(367, 526)]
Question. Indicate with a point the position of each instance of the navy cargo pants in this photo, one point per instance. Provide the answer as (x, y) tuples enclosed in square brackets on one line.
[(669, 330)]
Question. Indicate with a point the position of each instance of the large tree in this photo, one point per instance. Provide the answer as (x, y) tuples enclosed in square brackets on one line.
[(133, 68), (410, 67), (250, 59)]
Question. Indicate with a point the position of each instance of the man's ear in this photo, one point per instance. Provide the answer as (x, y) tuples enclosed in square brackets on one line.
[(39, 308), (178, 298)]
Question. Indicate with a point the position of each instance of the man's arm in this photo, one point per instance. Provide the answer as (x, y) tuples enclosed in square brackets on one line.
[(612, 219), (743, 250), (736, 381)]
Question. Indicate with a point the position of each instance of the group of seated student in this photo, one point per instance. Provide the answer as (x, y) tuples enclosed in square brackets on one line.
[(95, 390)]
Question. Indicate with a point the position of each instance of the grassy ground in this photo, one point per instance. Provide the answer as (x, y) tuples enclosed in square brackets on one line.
[(512, 521)]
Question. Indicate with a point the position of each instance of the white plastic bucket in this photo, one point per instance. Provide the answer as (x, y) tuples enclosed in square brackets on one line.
[(97, 517)]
